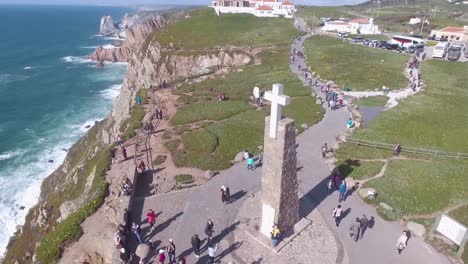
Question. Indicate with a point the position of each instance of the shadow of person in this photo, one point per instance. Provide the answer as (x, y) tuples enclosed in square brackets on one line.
[(238, 195), (228, 250), (225, 232), (371, 222), (345, 213)]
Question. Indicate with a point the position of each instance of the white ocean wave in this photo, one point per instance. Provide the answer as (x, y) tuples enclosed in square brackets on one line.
[(9, 155), (27, 68), (88, 47), (112, 92), (108, 46), (74, 59), (6, 78)]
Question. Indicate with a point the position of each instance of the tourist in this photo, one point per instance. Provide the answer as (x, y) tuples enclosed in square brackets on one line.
[(343, 189), (160, 114), (142, 166), (355, 229), (138, 99), (151, 127), (350, 123), (259, 160), (336, 213), (136, 230), (401, 243), (113, 157), (209, 230), (250, 163), (225, 195), (329, 186), (127, 187), (156, 113), (151, 218), (324, 150), (161, 256), (364, 224), (196, 243), (275, 236), (332, 104), (119, 140), (124, 153), (212, 252), (336, 178), (124, 256), (397, 149), (171, 251), (246, 155)]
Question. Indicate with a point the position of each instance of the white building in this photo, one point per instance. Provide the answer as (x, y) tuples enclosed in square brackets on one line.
[(260, 8), (417, 20), (363, 26)]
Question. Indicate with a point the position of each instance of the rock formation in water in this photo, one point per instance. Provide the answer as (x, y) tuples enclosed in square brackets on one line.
[(108, 27)]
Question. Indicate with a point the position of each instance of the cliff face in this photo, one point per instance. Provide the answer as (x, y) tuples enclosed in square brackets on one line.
[(107, 27)]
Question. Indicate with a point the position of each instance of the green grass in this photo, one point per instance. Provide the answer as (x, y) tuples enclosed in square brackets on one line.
[(160, 159), (143, 93), (129, 126), (204, 29), (363, 68), (184, 178), (460, 214), (373, 101), (359, 170), (200, 141), (297, 109), (208, 110), (420, 187)]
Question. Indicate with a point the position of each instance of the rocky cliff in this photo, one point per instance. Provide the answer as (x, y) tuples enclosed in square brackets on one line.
[(108, 27)]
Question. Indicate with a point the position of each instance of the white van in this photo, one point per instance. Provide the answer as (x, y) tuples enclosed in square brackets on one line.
[(440, 50)]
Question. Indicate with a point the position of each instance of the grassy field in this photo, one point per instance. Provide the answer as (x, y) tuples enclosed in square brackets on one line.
[(434, 119), (359, 170), (207, 133), (362, 67), (373, 101), (312, 14), (204, 29)]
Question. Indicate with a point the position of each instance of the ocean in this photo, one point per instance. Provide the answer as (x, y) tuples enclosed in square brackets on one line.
[(49, 94)]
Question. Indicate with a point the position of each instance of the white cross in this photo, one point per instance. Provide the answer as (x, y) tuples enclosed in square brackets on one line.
[(278, 100)]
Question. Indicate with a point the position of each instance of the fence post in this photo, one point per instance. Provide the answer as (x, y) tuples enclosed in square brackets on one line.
[(435, 155), (458, 155)]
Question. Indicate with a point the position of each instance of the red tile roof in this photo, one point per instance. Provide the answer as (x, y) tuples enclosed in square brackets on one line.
[(264, 8), (453, 30), (360, 21), (287, 3)]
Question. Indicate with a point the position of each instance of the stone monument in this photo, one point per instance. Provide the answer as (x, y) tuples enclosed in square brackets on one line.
[(280, 201)]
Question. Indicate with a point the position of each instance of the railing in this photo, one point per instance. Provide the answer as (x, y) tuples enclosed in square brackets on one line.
[(406, 149)]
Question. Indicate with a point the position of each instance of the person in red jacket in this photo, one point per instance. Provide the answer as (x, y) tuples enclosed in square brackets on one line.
[(151, 218)]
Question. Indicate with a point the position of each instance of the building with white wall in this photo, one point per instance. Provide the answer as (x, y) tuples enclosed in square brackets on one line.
[(363, 26), (260, 8)]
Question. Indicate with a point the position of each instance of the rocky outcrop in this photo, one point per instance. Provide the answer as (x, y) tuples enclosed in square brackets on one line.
[(120, 54), (108, 27)]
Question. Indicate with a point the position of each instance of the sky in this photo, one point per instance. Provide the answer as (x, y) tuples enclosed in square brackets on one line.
[(162, 2)]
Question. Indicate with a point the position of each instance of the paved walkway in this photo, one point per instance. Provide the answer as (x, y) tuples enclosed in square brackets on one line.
[(379, 243)]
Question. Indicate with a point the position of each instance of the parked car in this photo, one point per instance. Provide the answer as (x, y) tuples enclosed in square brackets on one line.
[(393, 47), (455, 51), (358, 39), (416, 48), (382, 44), (342, 34), (466, 51)]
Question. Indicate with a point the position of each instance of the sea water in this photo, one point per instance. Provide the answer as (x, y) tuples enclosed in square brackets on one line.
[(49, 94)]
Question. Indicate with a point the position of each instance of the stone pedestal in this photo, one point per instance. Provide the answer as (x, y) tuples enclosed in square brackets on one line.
[(280, 201)]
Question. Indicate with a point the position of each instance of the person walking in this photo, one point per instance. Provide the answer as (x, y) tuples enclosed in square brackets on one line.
[(119, 140), (250, 163), (212, 252), (355, 229), (124, 153), (225, 195), (324, 150), (397, 149), (337, 211), (275, 236), (137, 231), (343, 189), (209, 230), (113, 157), (161, 256), (151, 218), (196, 243), (124, 256), (171, 251), (364, 225), (329, 186), (246, 155), (402, 242)]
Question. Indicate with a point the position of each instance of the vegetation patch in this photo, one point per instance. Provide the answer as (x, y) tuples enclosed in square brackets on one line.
[(208, 110), (373, 101), (460, 214), (200, 141), (359, 170), (172, 145), (137, 113), (184, 178), (160, 159), (297, 107), (204, 29), (363, 68)]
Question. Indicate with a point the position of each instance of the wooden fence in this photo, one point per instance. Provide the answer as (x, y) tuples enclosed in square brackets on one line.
[(410, 150)]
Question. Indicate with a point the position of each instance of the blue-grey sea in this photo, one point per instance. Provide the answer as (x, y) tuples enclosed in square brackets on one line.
[(48, 94)]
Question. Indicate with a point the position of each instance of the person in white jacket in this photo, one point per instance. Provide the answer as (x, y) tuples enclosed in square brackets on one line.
[(401, 243), (212, 252)]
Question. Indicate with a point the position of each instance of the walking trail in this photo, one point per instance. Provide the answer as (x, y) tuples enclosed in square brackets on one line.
[(179, 220)]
